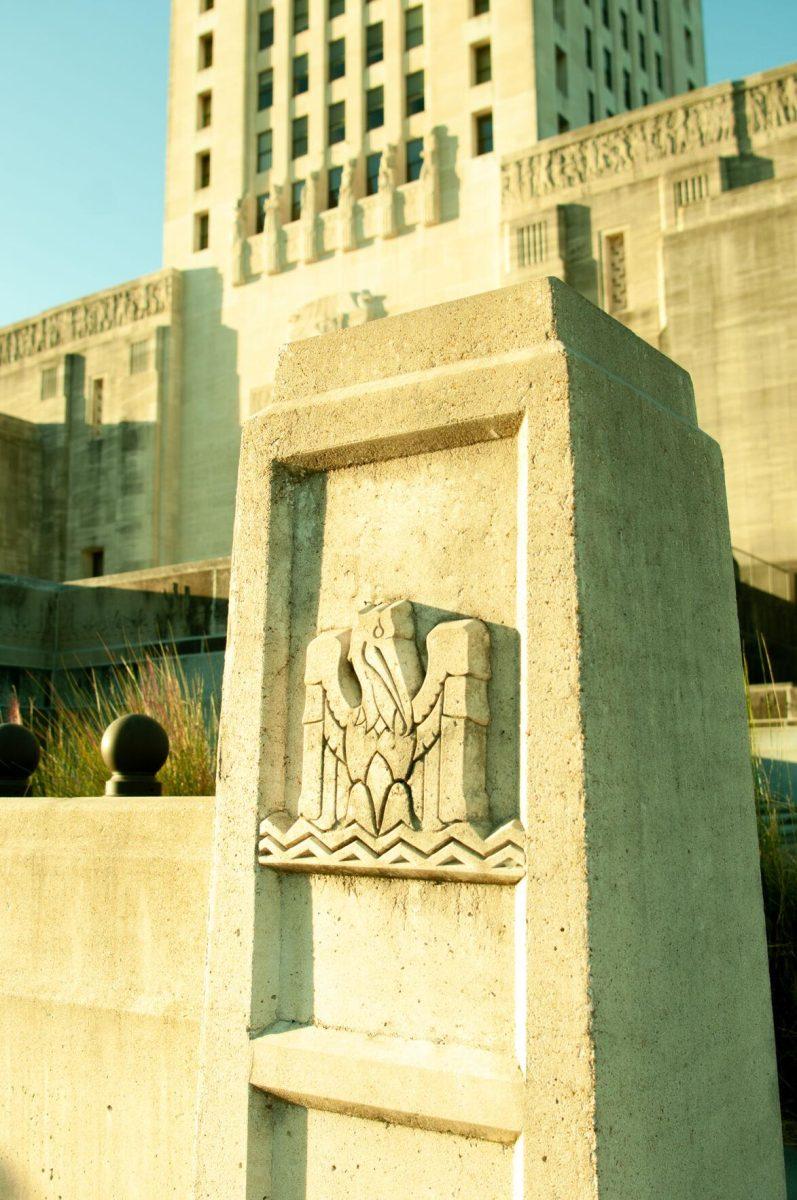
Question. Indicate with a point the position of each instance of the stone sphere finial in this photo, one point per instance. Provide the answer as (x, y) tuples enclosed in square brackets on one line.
[(135, 748), (19, 758)]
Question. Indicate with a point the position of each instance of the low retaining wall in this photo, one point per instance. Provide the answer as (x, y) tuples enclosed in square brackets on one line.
[(102, 945)]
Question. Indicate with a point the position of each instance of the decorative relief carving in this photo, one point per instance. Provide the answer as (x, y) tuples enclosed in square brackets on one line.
[(773, 104), (346, 205), (341, 310), (634, 144), (388, 227), (272, 231), (125, 306), (308, 252), (430, 179), (394, 762)]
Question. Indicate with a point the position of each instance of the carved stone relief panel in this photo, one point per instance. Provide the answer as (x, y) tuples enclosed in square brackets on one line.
[(394, 758), (124, 306), (627, 146)]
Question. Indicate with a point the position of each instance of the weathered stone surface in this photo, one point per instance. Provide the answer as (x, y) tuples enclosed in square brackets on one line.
[(521, 461)]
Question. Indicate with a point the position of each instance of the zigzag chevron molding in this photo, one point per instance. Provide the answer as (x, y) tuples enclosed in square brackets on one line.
[(457, 852)]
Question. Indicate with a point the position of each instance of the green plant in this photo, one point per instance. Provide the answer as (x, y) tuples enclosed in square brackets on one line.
[(777, 819), (158, 686)]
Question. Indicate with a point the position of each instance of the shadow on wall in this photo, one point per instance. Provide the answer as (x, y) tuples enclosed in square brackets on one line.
[(209, 433), (12, 1187)]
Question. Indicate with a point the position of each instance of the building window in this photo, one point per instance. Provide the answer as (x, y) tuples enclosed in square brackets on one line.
[(415, 93), (206, 51), (49, 383), (297, 187), (690, 46), (336, 8), (480, 6), (413, 27), (299, 137), (266, 29), (374, 44), (414, 158), (204, 110), (482, 64), (605, 14), (562, 123), (625, 35), (301, 15), (93, 562), (95, 404), (559, 12), (690, 86), (265, 141), (608, 69), (561, 70), (372, 163), (202, 179), (627, 88), (336, 122), (484, 133), (301, 74), (591, 106), (265, 89), (260, 213), (643, 52), (333, 186), (206, 5), (588, 55), (375, 107), (201, 231), (139, 358), (659, 72), (656, 16), (337, 58), (640, 7), (644, 97), (616, 278)]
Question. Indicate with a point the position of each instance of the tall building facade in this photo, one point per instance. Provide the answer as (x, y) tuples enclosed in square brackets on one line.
[(270, 97), (335, 161)]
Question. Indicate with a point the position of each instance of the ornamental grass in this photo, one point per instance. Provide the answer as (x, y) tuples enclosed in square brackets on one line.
[(71, 732)]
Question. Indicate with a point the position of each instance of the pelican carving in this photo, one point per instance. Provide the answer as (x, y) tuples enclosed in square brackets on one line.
[(386, 743)]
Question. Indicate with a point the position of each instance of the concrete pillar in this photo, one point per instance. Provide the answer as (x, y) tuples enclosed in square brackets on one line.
[(486, 917)]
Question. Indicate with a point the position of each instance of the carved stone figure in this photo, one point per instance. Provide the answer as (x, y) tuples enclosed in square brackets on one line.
[(384, 745), (346, 229), (430, 180), (308, 251), (272, 231), (394, 758), (388, 227), (240, 243)]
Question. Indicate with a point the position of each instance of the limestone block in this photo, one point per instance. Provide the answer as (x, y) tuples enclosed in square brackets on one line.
[(486, 915)]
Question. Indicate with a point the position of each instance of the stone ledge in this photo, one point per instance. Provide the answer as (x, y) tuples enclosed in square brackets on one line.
[(449, 1089)]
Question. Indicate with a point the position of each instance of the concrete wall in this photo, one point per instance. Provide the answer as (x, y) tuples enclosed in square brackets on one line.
[(102, 943), (20, 496), (105, 475)]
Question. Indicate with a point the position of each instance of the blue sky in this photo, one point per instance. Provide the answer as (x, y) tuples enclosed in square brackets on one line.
[(83, 103)]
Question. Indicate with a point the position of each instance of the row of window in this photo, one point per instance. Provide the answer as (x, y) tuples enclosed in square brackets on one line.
[(606, 16), (300, 20), (413, 23), (414, 102), (413, 162)]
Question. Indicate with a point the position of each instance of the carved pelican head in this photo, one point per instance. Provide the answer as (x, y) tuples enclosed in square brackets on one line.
[(385, 659)]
